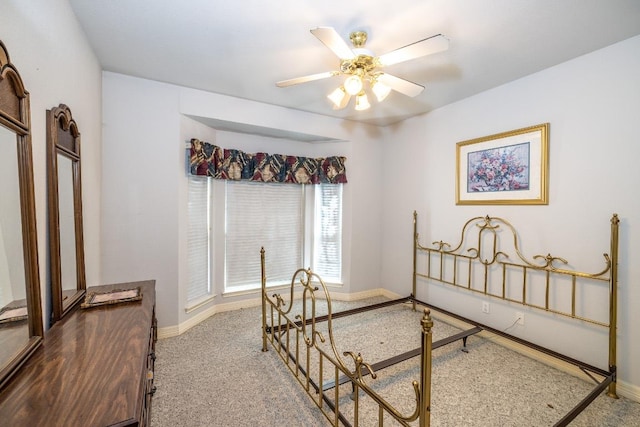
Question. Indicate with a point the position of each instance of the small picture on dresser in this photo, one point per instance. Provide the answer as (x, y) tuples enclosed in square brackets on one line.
[(94, 299), (12, 314)]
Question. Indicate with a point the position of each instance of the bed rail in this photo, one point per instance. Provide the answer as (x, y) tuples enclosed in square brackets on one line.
[(487, 260)]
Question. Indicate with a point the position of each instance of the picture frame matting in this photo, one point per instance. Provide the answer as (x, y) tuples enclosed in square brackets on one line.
[(508, 168)]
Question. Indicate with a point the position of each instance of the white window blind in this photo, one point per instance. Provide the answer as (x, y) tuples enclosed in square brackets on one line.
[(262, 215), (199, 233), (327, 240)]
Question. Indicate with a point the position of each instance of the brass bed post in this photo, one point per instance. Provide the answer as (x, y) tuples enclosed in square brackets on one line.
[(613, 304), (264, 300), (425, 369), (415, 254)]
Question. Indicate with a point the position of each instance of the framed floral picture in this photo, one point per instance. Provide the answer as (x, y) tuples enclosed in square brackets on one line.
[(509, 168)]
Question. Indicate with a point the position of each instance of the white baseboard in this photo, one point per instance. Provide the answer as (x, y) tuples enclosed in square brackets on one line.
[(338, 296), (168, 332), (624, 389), (630, 391), (173, 331)]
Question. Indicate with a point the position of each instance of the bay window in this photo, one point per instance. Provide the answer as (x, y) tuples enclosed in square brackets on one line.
[(289, 205)]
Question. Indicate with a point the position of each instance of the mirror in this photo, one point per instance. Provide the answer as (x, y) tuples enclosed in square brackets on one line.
[(21, 328), (66, 244)]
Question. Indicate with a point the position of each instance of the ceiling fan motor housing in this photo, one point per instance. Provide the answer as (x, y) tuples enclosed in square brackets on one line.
[(360, 65), (364, 62)]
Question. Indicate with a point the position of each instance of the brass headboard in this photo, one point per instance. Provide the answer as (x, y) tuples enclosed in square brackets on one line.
[(481, 263)]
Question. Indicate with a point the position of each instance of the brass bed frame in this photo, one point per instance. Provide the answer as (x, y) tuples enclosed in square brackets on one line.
[(485, 268)]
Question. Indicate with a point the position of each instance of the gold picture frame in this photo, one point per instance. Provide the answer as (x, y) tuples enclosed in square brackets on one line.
[(115, 296), (509, 168)]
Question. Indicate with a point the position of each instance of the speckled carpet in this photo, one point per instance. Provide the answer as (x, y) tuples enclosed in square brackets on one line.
[(215, 374)]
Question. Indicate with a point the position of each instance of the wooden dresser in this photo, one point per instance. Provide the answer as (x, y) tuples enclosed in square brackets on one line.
[(95, 368)]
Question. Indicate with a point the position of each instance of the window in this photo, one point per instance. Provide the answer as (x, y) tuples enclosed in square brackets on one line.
[(273, 216), (327, 236), (262, 215), (199, 238), (298, 225)]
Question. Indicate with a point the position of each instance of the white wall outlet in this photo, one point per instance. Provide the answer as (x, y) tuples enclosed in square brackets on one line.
[(520, 318), (485, 307)]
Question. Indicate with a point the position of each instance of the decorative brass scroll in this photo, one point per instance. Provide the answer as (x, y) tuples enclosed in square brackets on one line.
[(481, 244), (278, 323), (485, 247)]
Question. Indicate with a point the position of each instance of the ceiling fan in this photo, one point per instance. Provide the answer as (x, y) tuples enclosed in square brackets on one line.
[(362, 67)]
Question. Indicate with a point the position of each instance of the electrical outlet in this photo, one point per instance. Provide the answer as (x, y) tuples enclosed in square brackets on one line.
[(520, 318), (485, 307)]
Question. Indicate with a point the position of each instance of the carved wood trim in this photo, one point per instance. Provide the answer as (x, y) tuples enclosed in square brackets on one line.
[(15, 116), (63, 137)]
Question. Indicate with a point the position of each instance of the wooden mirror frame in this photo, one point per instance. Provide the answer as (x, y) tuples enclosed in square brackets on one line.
[(15, 116), (63, 139)]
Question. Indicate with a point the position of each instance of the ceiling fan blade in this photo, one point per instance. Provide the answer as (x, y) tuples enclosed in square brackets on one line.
[(305, 79), (333, 41), (430, 45), (400, 85)]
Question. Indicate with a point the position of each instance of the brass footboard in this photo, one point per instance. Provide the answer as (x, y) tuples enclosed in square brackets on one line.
[(310, 353)]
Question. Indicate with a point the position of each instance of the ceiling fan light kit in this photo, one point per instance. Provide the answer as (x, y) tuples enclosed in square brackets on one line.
[(339, 97), (381, 91), (362, 68), (362, 102), (353, 85)]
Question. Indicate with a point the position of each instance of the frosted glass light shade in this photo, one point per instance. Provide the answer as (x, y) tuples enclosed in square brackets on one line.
[(380, 91), (339, 98), (353, 85), (362, 102)]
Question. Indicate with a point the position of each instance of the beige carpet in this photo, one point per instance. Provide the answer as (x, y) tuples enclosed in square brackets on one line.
[(216, 375)]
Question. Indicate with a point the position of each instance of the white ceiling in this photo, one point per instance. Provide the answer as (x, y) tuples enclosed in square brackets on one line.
[(241, 48)]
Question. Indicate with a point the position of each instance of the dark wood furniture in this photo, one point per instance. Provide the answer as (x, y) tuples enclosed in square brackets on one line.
[(95, 368), (66, 240), (17, 221)]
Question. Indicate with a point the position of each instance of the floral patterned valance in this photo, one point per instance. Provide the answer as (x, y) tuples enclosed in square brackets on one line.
[(222, 163)]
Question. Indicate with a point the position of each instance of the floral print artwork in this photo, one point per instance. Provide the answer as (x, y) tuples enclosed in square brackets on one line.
[(499, 169)]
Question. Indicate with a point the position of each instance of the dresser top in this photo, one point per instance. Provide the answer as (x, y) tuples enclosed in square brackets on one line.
[(90, 369)]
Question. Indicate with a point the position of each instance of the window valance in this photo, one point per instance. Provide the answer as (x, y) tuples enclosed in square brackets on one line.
[(222, 163)]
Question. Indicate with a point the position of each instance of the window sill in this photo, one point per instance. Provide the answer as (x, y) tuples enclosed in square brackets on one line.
[(256, 290)]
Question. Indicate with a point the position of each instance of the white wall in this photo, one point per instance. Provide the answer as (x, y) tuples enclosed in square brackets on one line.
[(592, 104), (49, 49), (142, 164), (145, 187)]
